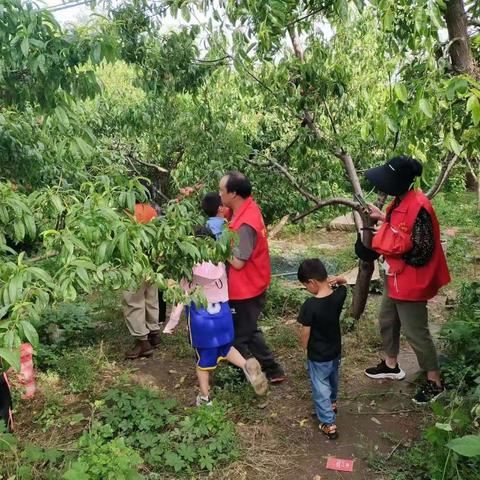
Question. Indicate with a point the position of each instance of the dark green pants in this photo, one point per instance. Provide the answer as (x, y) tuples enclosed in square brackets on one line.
[(412, 319)]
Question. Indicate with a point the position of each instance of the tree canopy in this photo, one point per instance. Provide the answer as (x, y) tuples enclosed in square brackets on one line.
[(302, 96)]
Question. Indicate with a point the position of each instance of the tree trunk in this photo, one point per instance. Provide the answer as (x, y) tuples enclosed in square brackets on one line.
[(364, 276), (365, 269), (460, 51)]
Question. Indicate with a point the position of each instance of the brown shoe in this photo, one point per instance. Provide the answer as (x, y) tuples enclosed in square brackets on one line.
[(329, 429), (142, 348), (154, 339)]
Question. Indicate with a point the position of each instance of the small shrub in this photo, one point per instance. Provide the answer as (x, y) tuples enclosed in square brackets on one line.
[(104, 457), (229, 377), (27, 461), (283, 300), (79, 368), (65, 326), (200, 440), (460, 336)]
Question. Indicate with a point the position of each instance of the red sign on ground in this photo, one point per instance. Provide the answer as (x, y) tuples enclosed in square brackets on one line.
[(340, 464)]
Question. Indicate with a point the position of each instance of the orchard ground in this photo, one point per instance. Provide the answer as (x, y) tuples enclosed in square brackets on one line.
[(278, 434)]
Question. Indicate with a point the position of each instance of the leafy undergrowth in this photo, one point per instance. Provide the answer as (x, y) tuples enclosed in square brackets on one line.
[(131, 434)]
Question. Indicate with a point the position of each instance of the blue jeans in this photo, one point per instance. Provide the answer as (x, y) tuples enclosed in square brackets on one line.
[(324, 380)]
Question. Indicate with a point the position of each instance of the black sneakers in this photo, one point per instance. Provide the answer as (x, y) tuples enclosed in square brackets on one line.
[(384, 371), (429, 392)]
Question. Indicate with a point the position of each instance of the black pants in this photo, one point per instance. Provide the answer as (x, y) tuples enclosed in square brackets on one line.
[(162, 307), (249, 339), (5, 404)]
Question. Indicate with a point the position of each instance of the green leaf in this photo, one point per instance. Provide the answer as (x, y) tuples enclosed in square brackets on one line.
[(391, 124), (19, 230), (15, 286), (426, 108), (453, 145), (473, 106), (101, 252), (37, 43), (30, 332), (62, 116), (364, 131), (84, 147), (77, 472), (446, 427), (174, 460), (30, 226), (57, 203), (41, 63), (123, 246), (186, 13), (456, 85), (467, 446), (4, 311), (401, 92), (40, 274), (83, 275), (25, 46), (12, 357)]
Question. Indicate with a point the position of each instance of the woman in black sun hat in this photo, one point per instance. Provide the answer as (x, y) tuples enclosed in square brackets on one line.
[(415, 269)]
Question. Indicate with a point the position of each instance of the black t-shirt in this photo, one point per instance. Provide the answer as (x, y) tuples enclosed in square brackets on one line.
[(323, 316)]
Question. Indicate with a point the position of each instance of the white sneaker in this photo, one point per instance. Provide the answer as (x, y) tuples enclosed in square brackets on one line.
[(254, 374), (201, 400)]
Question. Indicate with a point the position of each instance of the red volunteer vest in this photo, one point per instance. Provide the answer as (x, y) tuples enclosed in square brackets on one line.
[(393, 239), (254, 278)]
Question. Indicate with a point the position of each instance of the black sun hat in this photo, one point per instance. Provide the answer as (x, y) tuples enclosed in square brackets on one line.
[(396, 176)]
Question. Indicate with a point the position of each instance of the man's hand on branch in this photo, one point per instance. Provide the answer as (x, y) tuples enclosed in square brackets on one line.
[(188, 191)]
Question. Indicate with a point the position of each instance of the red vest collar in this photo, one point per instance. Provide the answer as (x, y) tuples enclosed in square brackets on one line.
[(243, 208)]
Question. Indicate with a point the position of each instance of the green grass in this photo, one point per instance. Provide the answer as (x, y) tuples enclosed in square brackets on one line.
[(458, 209)]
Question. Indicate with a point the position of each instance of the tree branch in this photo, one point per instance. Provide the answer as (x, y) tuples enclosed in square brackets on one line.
[(472, 170), (447, 166), (292, 32), (47, 255), (325, 203), (152, 165), (311, 14), (293, 181), (350, 168)]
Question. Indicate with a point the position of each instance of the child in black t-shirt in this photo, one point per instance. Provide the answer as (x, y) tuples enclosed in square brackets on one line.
[(320, 336)]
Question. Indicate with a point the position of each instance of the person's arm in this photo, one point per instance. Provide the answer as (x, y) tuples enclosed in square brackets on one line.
[(242, 252), (174, 318), (304, 336), (376, 214), (423, 240), (236, 263), (336, 280)]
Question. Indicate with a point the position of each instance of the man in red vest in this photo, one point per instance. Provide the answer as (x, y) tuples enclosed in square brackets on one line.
[(249, 272), (415, 269)]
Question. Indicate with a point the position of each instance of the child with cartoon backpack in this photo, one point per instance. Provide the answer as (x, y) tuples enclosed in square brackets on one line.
[(211, 329)]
